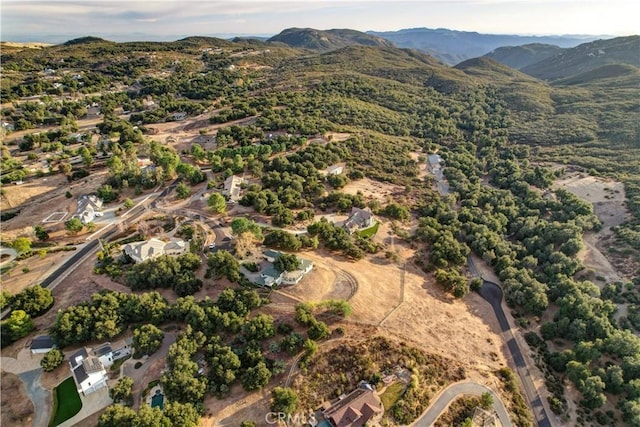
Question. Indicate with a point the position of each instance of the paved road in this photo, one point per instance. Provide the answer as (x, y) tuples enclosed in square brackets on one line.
[(40, 396), (442, 401), (493, 294), (8, 251)]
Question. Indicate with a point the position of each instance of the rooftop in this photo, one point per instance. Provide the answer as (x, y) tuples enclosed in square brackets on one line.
[(41, 342)]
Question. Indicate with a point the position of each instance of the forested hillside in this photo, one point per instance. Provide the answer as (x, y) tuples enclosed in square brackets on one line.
[(493, 125)]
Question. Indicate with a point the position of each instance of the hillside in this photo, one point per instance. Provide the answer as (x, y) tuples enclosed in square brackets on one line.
[(520, 56), (326, 40), (126, 120), (587, 57), (452, 47)]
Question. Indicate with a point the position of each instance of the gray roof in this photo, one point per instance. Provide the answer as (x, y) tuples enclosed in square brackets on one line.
[(270, 253), (80, 373), (41, 342), (102, 350), (82, 353), (92, 364)]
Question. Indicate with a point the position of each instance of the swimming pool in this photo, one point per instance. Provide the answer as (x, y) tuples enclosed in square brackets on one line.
[(157, 400)]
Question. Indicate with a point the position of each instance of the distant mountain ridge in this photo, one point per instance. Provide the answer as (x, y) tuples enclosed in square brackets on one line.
[(327, 40), (452, 47), (587, 57), (519, 57)]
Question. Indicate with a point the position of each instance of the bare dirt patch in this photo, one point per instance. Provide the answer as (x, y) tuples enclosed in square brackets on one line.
[(16, 408), (609, 203), (39, 267), (337, 136), (372, 190), (38, 198)]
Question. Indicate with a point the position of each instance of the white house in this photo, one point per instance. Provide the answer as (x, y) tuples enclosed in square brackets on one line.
[(89, 207), (88, 372), (270, 276), (104, 353), (232, 187), (153, 248), (175, 247), (294, 277), (42, 344)]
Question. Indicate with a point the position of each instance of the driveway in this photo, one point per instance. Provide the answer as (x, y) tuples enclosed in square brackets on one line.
[(27, 367), (139, 374), (10, 252), (40, 396), (449, 394)]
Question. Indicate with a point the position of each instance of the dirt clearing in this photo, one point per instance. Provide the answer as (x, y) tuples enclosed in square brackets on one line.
[(372, 190), (17, 410), (609, 203)]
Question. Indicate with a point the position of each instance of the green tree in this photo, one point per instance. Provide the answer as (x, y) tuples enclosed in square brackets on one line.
[(287, 262), (221, 264), (245, 225), (41, 233), (128, 203), (259, 328), (256, 377), (52, 360), (486, 400), (18, 325), (74, 225), (217, 203), (34, 300), (117, 416), (284, 399), (87, 157), (107, 193), (121, 392), (181, 414), (183, 191), (319, 330), (147, 339), (22, 245)]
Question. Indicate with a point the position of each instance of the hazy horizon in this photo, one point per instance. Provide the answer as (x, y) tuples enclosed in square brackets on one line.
[(164, 20)]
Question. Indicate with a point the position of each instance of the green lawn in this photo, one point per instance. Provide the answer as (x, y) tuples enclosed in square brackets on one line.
[(369, 232), (66, 402), (391, 395)]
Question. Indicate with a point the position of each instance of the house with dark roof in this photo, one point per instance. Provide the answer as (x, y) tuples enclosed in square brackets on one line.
[(42, 344), (359, 220), (355, 409), (104, 353), (88, 372)]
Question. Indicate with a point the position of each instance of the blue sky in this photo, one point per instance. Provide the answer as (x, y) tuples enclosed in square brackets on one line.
[(56, 21)]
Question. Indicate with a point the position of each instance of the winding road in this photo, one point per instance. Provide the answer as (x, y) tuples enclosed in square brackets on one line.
[(446, 396), (493, 294)]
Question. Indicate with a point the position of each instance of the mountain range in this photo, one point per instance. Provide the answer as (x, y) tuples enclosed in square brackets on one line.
[(452, 47)]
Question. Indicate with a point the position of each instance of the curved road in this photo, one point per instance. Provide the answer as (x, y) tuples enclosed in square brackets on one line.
[(493, 294), (455, 390), (8, 251)]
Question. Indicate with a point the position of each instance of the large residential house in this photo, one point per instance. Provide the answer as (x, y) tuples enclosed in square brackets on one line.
[(271, 276), (355, 409), (232, 188), (153, 248), (89, 207), (359, 220), (89, 373), (104, 353)]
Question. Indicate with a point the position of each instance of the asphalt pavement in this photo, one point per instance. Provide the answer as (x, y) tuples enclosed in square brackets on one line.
[(450, 393)]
